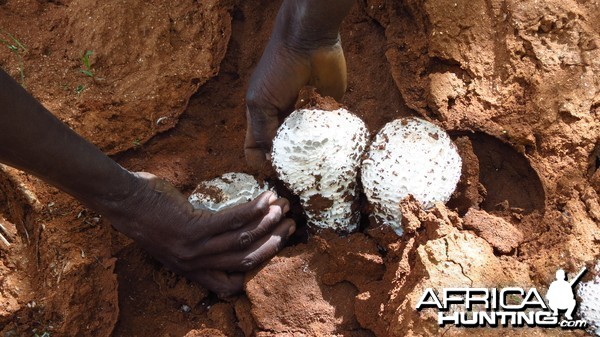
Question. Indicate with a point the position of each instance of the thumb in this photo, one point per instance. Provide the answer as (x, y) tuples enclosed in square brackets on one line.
[(262, 127)]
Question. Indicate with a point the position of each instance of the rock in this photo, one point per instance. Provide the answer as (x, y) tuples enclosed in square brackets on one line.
[(499, 233)]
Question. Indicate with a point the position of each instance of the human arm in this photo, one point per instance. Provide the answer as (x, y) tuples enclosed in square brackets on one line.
[(213, 248)]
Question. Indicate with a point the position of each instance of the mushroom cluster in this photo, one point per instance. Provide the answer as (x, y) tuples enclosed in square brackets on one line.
[(228, 190), (409, 156), (317, 154)]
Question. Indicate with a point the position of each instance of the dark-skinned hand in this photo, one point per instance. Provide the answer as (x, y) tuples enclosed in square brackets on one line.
[(214, 249), (304, 49)]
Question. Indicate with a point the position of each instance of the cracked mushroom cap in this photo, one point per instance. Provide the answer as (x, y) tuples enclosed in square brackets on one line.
[(317, 155), (589, 306), (228, 190), (409, 156)]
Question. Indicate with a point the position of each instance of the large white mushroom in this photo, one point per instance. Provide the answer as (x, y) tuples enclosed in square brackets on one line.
[(317, 154), (228, 190), (409, 156), (589, 307)]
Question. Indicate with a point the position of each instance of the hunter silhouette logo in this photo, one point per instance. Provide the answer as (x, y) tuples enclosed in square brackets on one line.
[(511, 306), (561, 293)]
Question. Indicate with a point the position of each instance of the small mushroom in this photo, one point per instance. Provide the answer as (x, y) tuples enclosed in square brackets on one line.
[(409, 156), (317, 154), (228, 190)]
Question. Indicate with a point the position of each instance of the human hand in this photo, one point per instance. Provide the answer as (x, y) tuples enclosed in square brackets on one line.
[(214, 249), (304, 49)]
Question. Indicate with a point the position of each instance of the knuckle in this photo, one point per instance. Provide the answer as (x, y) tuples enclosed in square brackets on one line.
[(245, 239), (261, 207), (253, 98), (235, 219), (258, 206), (183, 255), (258, 94), (261, 105)]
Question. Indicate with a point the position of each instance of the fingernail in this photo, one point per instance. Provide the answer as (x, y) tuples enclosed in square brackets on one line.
[(272, 198), (291, 230)]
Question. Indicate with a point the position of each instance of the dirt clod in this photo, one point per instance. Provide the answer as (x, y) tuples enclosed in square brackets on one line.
[(499, 233)]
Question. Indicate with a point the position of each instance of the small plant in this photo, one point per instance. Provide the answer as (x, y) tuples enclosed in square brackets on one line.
[(137, 142), (87, 67), (17, 48), (79, 89)]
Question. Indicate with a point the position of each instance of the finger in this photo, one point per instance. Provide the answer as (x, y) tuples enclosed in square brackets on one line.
[(328, 71), (221, 283), (271, 95), (266, 247), (256, 157), (247, 235), (262, 127), (232, 218), (262, 250)]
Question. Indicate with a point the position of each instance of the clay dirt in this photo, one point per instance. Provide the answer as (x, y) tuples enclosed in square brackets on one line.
[(515, 83)]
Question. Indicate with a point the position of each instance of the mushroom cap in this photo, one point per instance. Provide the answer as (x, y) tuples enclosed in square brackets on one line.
[(317, 154), (228, 190), (409, 156), (589, 306)]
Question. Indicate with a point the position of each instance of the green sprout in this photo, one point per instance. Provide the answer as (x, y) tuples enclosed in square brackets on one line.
[(17, 48), (79, 89), (87, 67)]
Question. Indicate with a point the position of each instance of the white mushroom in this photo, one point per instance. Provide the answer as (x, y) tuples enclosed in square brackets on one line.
[(409, 156), (317, 155), (589, 307), (226, 191)]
